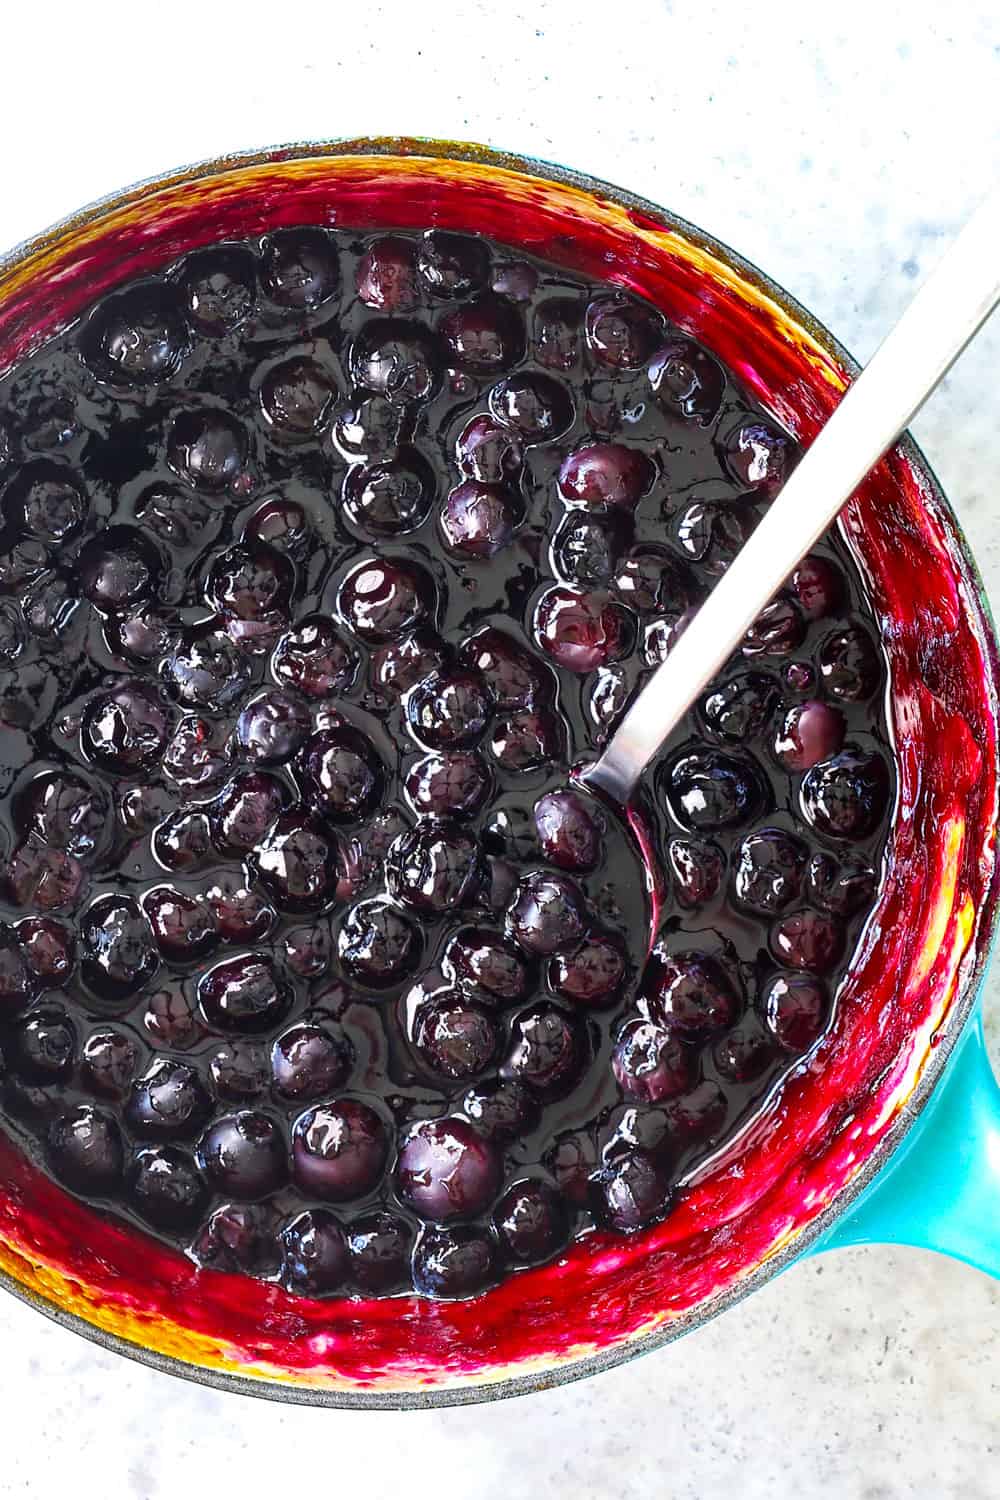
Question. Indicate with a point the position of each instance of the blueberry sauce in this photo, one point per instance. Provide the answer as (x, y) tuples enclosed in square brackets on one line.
[(322, 560)]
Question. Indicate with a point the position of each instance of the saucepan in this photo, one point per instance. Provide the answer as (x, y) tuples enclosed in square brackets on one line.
[(889, 1132)]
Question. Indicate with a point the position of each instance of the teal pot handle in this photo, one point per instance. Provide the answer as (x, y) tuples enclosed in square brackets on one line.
[(941, 1190)]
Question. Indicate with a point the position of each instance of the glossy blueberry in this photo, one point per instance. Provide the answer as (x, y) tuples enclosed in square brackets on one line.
[(501, 1110), (166, 1188), (85, 1150), (484, 336), (64, 810), (840, 887), (244, 1155), (446, 1170), (592, 975), (435, 867), (382, 599), (397, 360), (452, 265), (558, 328), (531, 1221), (168, 1102), (182, 924), (568, 830), (581, 631), (207, 671), (48, 948), (386, 279), (299, 269), (378, 944), (758, 455), (314, 1253), (109, 1061), (208, 448), (308, 1061), (238, 1237), (389, 497), (796, 1009), (512, 673), (447, 785), (245, 810), (379, 1247), (239, 1070), (697, 866), (602, 476), (847, 796), (170, 1018), (271, 727), (116, 954), (708, 791), (536, 407), (137, 336), (454, 1039), (218, 289), (341, 774), (243, 994), (632, 1191), (650, 1063), (524, 741), (545, 1049), (547, 914), (42, 1047), (807, 940), (126, 729), (588, 549), (339, 1150), (449, 710), (690, 993), (621, 331), (296, 398), (478, 520), (489, 452), (768, 870), (454, 1262), (297, 862), (685, 378)]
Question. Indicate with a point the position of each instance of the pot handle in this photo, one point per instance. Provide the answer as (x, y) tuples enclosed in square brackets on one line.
[(941, 1190)]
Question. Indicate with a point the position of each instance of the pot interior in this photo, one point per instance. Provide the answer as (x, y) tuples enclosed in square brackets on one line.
[(911, 984)]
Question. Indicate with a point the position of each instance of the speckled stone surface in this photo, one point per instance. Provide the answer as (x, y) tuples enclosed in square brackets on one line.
[(840, 159)]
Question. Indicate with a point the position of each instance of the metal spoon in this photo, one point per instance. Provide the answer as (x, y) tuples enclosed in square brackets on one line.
[(948, 310)]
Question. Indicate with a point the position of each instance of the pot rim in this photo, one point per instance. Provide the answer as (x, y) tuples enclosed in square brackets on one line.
[(989, 925)]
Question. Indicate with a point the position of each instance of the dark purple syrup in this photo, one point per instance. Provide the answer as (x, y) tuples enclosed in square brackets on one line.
[(323, 559)]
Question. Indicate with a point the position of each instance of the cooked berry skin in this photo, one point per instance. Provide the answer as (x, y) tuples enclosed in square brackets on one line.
[(327, 562)]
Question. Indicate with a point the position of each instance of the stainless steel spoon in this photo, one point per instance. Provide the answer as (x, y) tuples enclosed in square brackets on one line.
[(948, 310)]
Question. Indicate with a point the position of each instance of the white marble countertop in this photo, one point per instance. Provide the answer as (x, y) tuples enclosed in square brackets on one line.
[(840, 160)]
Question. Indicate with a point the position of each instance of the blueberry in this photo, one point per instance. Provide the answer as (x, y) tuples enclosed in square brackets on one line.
[(708, 791), (650, 1063), (379, 1246), (581, 631), (557, 333), (501, 1110), (758, 455), (341, 774), (44, 878), (571, 1161), (485, 966), (271, 727), (250, 582), (796, 1009), (587, 550), (126, 729), (768, 870), (183, 841), (478, 520), (807, 940), (136, 337), (144, 635), (455, 1040), (207, 670), (386, 279), (118, 569), (489, 452), (547, 914), (181, 924), (686, 378), (243, 994), (545, 1049), (85, 1150), (592, 975), (168, 1102), (315, 1259), (109, 1061), (536, 407), (238, 1237), (400, 665), (299, 269), (389, 497), (434, 868), (841, 887), (239, 1070), (849, 664), (282, 524), (697, 867), (339, 1150), (531, 1221), (195, 757), (621, 331), (63, 810), (446, 1170), (396, 360), (166, 1188), (170, 1018), (484, 336), (696, 1117), (568, 832), (173, 514), (377, 944), (244, 1154), (447, 785), (382, 600), (307, 950), (525, 740), (117, 958), (245, 810), (810, 732), (308, 1061), (632, 1192), (296, 398), (314, 658), (818, 587), (297, 862), (48, 500), (778, 630), (690, 993), (47, 947), (743, 1054), (713, 535), (218, 288), (449, 710), (453, 1263), (603, 476), (208, 448), (42, 1047), (517, 280), (512, 673), (847, 796), (452, 265)]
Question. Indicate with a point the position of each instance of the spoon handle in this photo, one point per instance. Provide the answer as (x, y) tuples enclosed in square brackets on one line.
[(947, 311)]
